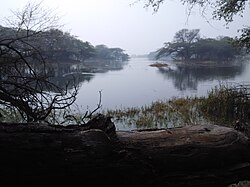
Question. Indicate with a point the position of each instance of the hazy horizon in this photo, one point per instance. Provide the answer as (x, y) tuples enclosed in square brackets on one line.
[(120, 23)]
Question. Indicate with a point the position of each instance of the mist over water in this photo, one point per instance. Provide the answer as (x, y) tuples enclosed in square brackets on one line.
[(138, 84)]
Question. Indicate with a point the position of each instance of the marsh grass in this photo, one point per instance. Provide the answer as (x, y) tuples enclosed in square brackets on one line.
[(228, 104), (160, 114)]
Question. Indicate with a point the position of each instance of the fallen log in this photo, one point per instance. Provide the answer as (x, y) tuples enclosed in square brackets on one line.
[(203, 155)]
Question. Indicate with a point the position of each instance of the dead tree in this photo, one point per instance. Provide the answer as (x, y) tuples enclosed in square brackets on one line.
[(25, 84), (94, 154)]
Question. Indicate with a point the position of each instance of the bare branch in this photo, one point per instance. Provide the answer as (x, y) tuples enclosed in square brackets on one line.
[(33, 17), (99, 105), (24, 82)]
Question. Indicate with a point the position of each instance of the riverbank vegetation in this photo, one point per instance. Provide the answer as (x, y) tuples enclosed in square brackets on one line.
[(58, 46), (176, 112), (227, 105)]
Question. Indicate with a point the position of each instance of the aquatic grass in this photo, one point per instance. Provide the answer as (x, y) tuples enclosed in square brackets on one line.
[(188, 110), (175, 112), (228, 104)]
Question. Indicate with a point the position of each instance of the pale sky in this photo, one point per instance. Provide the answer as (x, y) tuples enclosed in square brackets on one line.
[(117, 23)]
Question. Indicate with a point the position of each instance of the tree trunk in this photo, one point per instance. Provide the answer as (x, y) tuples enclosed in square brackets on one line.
[(203, 155)]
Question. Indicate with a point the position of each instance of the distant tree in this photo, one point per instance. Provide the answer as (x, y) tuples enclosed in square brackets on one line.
[(187, 45), (182, 46), (103, 52), (25, 85), (56, 46), (118, 54), (222, 10), (215, 49)]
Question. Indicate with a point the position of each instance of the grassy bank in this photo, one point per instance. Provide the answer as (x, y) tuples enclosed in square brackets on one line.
[(227, 105), (160, 114)]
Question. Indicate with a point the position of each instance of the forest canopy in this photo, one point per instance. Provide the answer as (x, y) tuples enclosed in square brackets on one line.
[(58, 46)]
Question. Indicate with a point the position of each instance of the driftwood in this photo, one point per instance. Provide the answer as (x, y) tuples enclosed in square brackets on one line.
[(203, 155)]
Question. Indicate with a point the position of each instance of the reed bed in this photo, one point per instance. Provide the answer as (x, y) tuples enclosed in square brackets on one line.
[(228, 104), (160, 114)]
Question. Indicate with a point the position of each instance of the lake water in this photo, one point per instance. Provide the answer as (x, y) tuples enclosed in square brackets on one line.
[(139, 84)]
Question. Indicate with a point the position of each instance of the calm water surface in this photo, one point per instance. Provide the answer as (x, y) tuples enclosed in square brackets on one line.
[(138, 84)]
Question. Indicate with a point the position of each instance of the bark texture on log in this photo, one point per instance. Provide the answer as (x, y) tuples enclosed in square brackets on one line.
[(194, 156), (36, 155)]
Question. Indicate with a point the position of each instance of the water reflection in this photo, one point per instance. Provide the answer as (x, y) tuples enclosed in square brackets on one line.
[(65, 75), (188, 77), (78, 73)]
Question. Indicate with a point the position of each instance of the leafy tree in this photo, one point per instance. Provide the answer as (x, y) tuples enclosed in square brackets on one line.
[(223, 10), (182, 45), (118, 54), (187, 45)]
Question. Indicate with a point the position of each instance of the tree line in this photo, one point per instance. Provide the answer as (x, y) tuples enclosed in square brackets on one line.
[(54, 45), (187, 45)]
